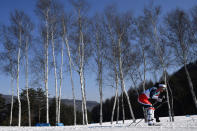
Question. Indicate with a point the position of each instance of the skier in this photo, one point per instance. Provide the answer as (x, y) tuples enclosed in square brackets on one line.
[(149, 94)]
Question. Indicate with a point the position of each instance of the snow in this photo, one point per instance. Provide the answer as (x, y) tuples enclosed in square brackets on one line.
[(182, 123)]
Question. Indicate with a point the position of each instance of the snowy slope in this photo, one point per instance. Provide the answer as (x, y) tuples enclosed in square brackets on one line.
[(182, 123)]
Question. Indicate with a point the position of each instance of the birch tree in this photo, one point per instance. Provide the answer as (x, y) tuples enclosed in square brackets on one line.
[(119, 27), (139, 69), (28, 28), (17, 31), (99, 49), (9, 62), (111, 57), (161, 57), (65, 24), (142, 34), (81, 48), (42, 10), (57, 11), (143, 47), (55, 15), (37, 65), (181, 38), (61, 80), (116, 99)]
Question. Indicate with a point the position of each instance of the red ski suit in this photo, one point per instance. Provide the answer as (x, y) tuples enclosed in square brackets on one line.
[(151, 93)]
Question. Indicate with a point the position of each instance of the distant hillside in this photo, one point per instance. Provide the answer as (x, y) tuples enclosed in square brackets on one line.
[(183, 102), (90, 104), (69, 102)]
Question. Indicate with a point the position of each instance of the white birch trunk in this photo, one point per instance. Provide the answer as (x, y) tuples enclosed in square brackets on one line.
[(158, 51), (12, 100), (27, 85), (144, 59), (172, 101), (99, 66), (18, 70), (82, 77), (144, 110), (46, 72), (190, 85), (85, 103), (55, 75), (116, 95), (168, 99), (82, 85), (123, 112), (60, 89), (81, 67), (82, 92), (71, 78), (65, 39), (144, 83), (122, 81), (117, 117), (46, 87), (101, 98)]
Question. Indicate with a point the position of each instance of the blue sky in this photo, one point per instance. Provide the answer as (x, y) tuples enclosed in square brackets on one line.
[(8, 6)]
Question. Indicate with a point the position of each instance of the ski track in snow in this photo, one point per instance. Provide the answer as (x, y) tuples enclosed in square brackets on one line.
[(182, 123)]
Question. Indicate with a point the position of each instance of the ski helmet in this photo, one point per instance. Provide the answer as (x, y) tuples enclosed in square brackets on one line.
[(162, 85)]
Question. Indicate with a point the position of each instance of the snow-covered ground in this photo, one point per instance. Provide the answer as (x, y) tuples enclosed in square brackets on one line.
[(182, 123)]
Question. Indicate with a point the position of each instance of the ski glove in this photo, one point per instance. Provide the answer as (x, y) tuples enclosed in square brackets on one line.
[(159, 100)]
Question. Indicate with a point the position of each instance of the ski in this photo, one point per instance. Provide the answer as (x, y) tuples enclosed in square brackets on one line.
[(135, 123), (138, 122)]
